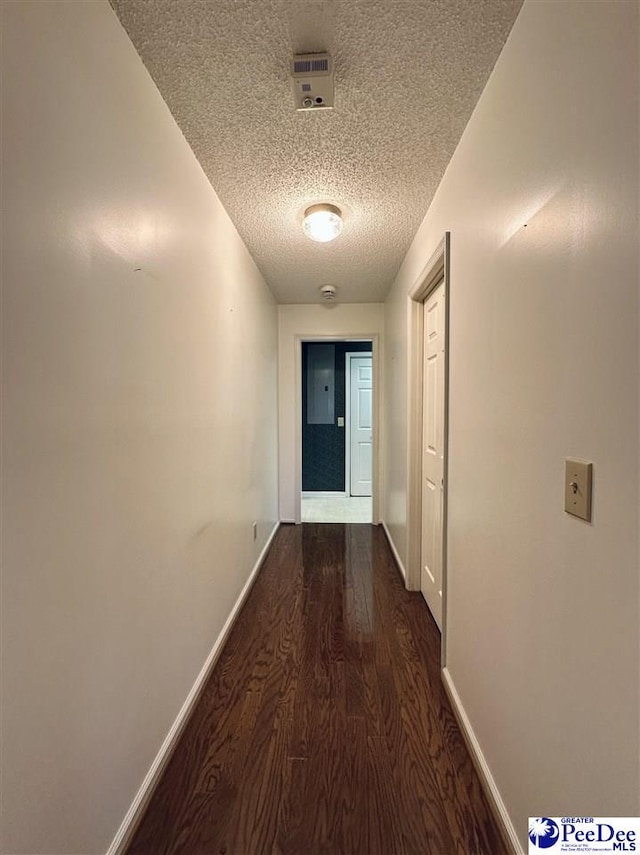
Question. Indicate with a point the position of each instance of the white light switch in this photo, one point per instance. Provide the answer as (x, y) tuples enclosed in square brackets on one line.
[(340, 421), (577, 488)]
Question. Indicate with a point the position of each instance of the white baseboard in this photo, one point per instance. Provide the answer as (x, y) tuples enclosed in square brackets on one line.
[(489, 786), (395, 552), (134, 814)]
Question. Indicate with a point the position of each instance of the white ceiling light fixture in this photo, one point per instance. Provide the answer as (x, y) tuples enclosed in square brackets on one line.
[(322, 222)]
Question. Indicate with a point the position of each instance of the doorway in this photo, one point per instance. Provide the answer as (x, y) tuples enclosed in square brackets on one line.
[(359, 423), (433, 458), (337, 416), (427, 441)]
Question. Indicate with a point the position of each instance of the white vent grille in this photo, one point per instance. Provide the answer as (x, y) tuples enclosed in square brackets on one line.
[(311, 64), (312, 75)]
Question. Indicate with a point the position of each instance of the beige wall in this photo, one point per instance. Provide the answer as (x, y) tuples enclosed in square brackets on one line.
[(341, 320), (139, 435), (542, 632), (395, 372)]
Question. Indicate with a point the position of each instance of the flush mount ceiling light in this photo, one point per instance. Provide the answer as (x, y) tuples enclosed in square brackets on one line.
[(322, 222)]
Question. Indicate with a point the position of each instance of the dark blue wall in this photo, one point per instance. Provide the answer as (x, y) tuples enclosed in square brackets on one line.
[(323, 446)]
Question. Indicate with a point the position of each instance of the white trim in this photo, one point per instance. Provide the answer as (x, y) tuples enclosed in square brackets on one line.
[(375, 340), (430, 277), (435, 271), (394, 551), (287, 522), (297, 490), (376, 356), (491, 791), (142, 797), (347, 421), (414, 443), (431, 274)]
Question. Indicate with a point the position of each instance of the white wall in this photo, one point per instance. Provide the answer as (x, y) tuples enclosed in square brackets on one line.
[(139, 434), (542, 634), (341, 320)]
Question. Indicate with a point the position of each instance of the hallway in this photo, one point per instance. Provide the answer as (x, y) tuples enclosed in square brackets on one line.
[(324, 726), (157, 287)]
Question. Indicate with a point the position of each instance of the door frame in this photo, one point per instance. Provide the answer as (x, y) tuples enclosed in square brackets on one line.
[(374, 338), (349, 355), (435, 271)]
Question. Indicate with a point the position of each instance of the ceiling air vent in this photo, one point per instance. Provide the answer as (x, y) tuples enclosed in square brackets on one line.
[(312, 75), (307, 66)]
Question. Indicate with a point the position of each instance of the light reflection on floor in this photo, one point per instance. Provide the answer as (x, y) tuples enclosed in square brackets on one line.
[(354, 509)]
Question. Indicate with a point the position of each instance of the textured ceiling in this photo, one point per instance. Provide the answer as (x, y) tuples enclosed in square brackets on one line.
[(408, 74)]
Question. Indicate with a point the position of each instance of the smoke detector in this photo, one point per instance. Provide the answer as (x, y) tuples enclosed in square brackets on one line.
[(312, 75), (328, 293)]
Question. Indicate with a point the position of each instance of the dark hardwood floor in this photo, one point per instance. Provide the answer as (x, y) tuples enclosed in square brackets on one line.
[(324, 727)]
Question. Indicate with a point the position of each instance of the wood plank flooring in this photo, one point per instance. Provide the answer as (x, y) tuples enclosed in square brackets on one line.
[(324, 727)]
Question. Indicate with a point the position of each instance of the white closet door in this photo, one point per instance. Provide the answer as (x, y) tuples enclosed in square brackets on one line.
[(433, 451)]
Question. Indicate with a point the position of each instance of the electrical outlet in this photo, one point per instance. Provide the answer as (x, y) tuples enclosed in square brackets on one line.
[(255, 531)]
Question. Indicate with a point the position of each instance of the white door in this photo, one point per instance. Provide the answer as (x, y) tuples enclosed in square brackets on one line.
[(433, 451), (361, 425)]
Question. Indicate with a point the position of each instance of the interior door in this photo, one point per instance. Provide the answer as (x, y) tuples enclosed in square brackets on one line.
[(361, 425), (433, 451)]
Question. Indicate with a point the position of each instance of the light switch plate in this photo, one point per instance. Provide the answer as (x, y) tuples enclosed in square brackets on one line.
[(340, 421), (577, 488)]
